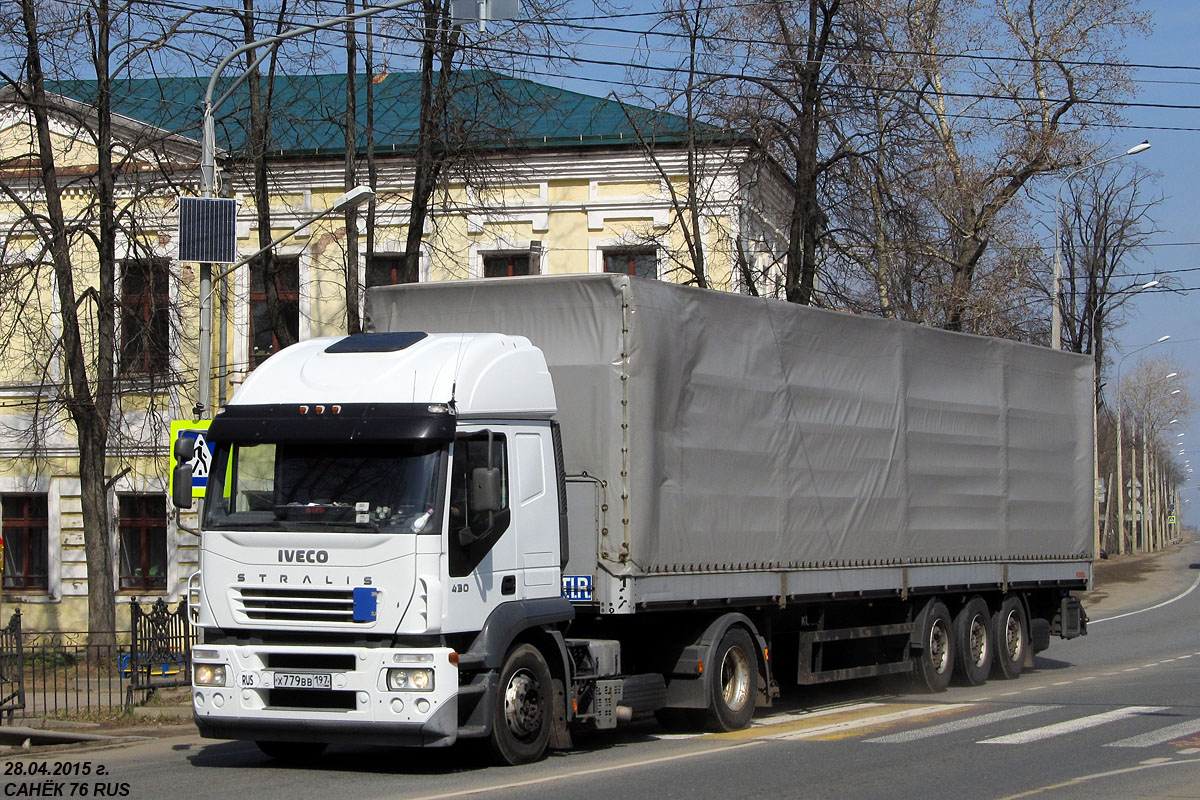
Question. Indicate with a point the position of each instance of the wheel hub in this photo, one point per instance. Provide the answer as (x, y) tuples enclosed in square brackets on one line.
[(939, 650), (735, 679), (978, 642), (523, 704)]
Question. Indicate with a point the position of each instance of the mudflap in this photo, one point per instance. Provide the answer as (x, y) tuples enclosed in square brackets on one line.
[(560, 731)]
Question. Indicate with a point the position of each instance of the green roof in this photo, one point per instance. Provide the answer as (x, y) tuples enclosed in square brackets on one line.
[(307, 112)]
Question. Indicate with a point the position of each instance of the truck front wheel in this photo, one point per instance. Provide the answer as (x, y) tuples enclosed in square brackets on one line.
[(523, 711), (733, 677)]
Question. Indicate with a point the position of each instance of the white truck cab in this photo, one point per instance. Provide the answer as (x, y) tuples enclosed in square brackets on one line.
[(373, 501)]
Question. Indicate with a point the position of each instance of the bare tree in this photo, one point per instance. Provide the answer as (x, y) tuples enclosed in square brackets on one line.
[(1004, 95), (1153, 393), (1106, 219), (785, 95)]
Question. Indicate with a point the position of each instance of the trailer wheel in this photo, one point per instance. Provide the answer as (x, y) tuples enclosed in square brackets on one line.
[(291, 752), (733, 679), (523, 712), (972, 633), (1010, 637), (935, 663)]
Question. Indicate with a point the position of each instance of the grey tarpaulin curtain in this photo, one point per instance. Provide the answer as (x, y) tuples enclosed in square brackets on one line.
[(768, 434)]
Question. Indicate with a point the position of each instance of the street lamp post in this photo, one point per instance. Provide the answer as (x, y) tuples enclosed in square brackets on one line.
[(1056, 289), (208, 145), (1120, 468)]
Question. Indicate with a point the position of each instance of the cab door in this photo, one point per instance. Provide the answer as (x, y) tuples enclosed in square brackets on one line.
[(482, 567)]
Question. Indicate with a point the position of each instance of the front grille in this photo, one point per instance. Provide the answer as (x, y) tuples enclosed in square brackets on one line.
[(300, 605)]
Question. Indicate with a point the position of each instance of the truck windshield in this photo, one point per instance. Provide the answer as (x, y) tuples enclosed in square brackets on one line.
[(291, 486)]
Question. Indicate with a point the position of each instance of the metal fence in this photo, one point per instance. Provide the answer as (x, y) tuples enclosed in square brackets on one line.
[(160, 648), (12, 669), (64, 673)]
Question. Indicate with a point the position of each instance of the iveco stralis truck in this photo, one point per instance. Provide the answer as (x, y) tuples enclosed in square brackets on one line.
[(521, 506)]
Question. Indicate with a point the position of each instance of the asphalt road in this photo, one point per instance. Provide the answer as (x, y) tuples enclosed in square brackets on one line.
[(1115, 714)]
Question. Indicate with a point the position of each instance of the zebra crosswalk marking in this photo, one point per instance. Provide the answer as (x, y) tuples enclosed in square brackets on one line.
[(846, 727), (1160, 736), (961, 724), (1070, 726)]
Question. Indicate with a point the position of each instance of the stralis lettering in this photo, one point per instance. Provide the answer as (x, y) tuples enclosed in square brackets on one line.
[(304, 580), (303, 556)]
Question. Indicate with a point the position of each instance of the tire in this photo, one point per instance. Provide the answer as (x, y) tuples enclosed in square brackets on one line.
[(523, 711), (1010, 638), (933, 666), (291, 752), (733, 683), (973, 637)]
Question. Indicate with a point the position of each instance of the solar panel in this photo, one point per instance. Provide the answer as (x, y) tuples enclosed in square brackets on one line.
[(208, 229)]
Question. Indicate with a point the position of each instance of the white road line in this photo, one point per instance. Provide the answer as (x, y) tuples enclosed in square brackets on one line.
[(854, 724), (961, 724), (583, 773), (1160, 736), (1184, 594), (1070, 726), (776, 719)]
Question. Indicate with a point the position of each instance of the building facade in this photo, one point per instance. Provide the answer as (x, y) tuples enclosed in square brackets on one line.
[(581, 184)]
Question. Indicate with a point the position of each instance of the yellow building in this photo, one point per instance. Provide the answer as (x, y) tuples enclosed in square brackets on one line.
[(553, 182)]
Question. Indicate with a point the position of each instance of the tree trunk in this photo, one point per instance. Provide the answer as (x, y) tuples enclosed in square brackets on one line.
[(353, 319), (88, 401), (431, 146)]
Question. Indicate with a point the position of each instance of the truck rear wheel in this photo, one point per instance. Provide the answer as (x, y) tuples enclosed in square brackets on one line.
[(1010, 637), (972, 633), (523, 711), (733, 681), (934, 665)]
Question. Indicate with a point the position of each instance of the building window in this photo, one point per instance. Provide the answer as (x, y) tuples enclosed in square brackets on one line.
[(145, 316), (263, 341), (385, 270), (26, 521), (506, 265), (641, 262), (143, 533)]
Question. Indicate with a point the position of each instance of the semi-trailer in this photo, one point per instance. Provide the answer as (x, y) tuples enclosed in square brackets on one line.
[(523, 505)]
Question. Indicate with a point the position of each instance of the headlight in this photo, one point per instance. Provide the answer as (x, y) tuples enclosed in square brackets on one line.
[(208, 674), (410, 680)]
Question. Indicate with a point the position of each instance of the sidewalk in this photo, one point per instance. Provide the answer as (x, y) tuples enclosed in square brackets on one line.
[(1128, 582)]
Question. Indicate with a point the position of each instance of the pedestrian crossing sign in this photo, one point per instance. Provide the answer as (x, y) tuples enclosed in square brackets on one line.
[(1171, 520), (202, 458)]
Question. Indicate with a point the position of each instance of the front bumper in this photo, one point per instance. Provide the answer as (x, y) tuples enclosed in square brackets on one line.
[(357, 707)]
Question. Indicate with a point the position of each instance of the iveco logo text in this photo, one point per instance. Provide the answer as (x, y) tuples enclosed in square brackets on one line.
[(303, 556)]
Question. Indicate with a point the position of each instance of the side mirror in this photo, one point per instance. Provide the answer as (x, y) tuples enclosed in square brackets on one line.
[(484, 492), (181, 478), (181, 486)]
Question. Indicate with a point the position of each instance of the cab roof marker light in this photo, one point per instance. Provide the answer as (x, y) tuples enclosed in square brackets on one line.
[(303, 410)]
